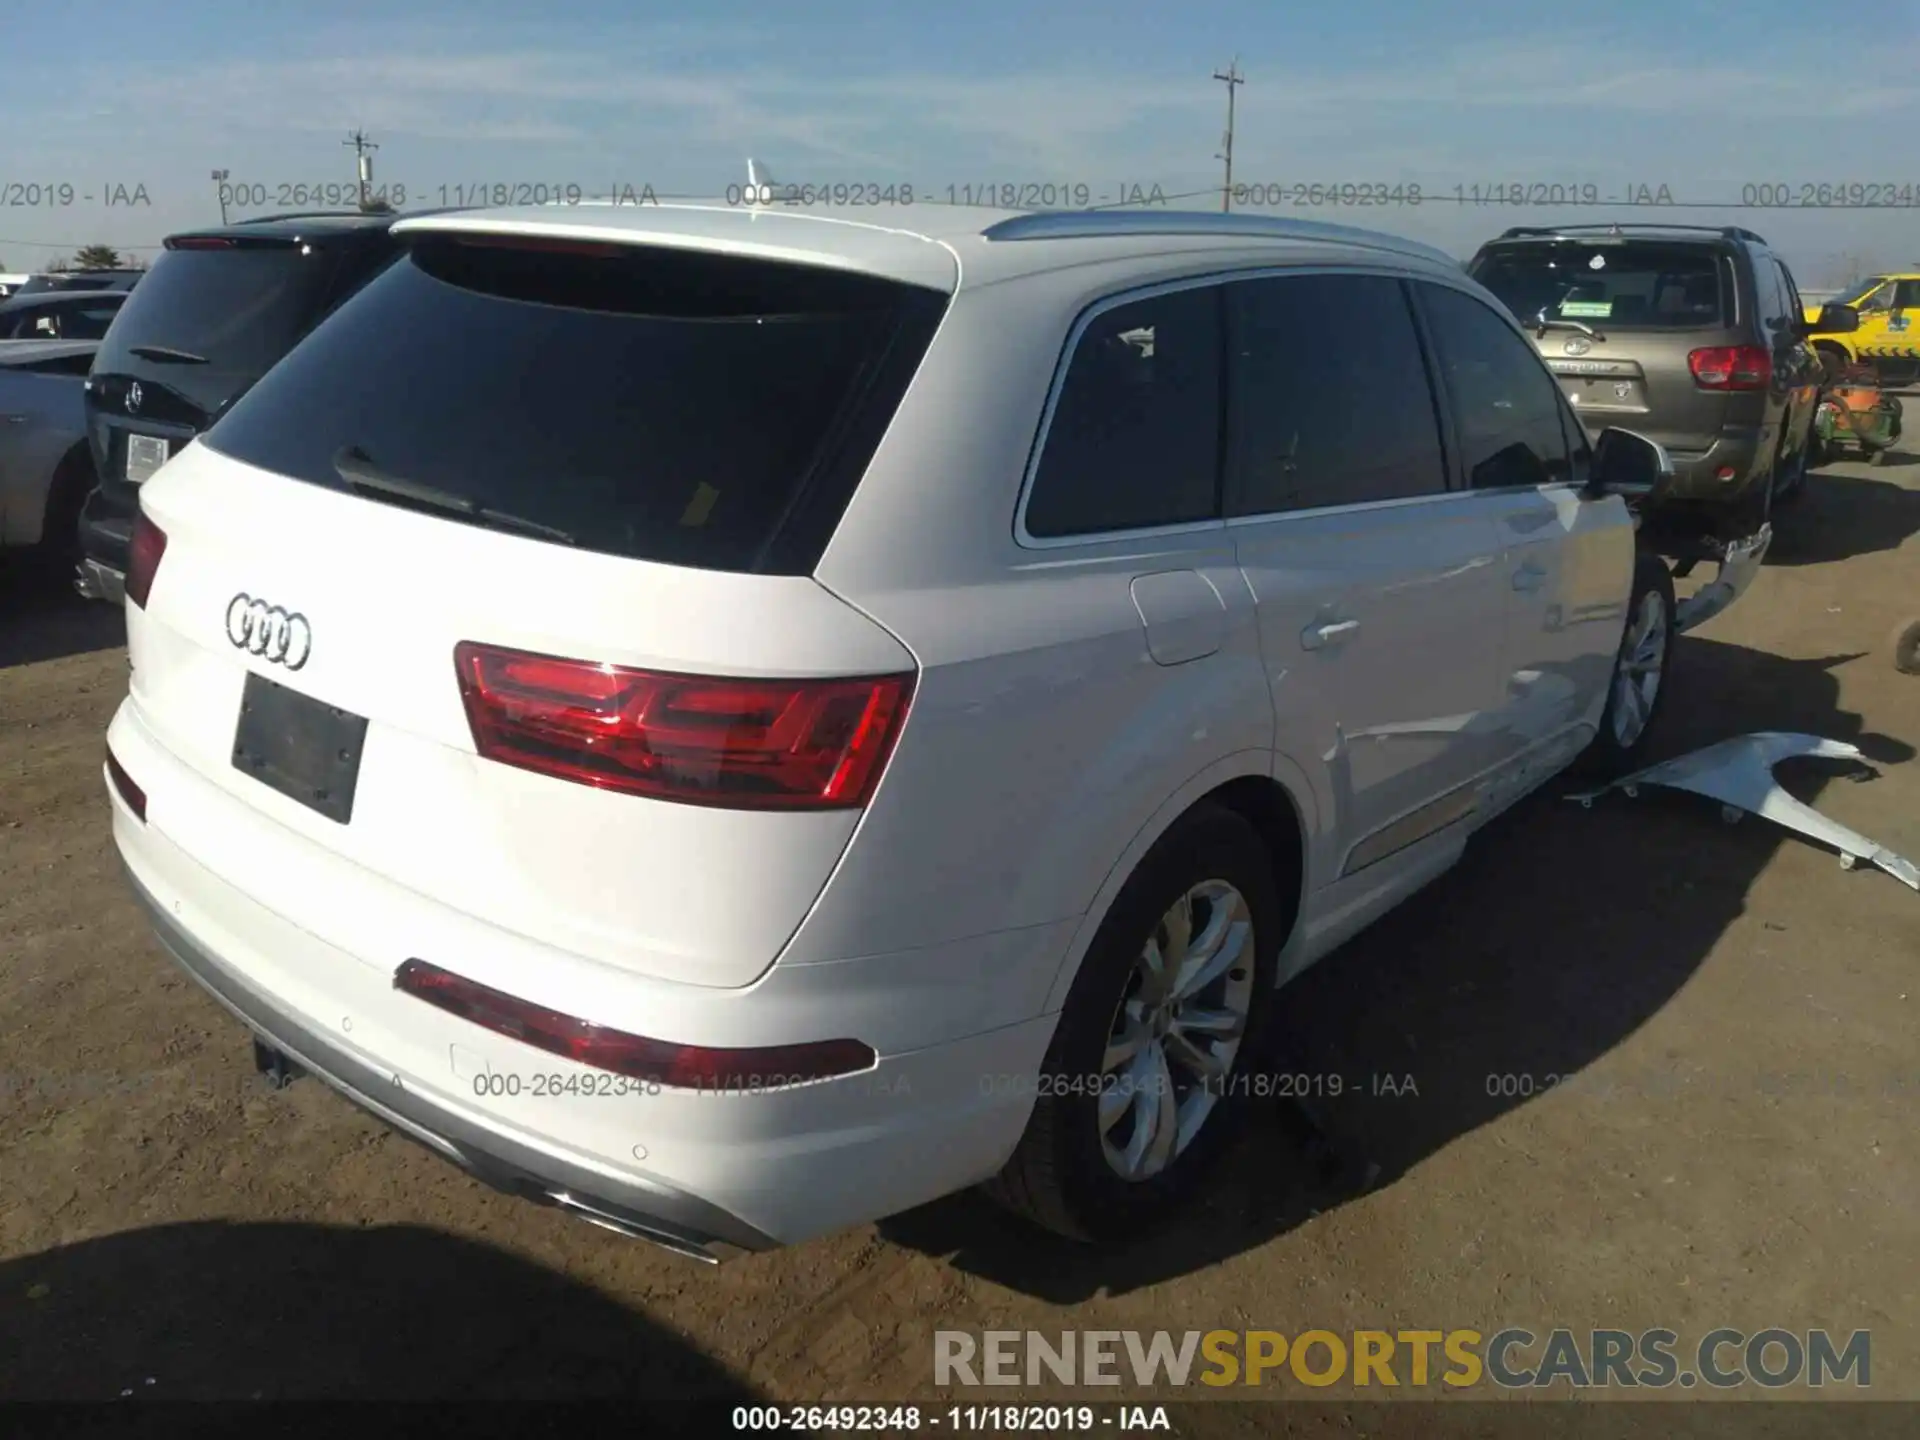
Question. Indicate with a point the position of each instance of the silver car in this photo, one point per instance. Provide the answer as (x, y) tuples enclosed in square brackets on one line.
[(46, 468)]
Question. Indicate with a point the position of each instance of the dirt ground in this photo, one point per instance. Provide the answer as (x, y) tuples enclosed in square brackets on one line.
[(1736, 1146)]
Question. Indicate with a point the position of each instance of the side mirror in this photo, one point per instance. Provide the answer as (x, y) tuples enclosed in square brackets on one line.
[(1628, 464), (1834, 320)]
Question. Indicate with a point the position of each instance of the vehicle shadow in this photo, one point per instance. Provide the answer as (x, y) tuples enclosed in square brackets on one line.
[(42, 619), (1840, 516), (219, 1310), (1454, 987)]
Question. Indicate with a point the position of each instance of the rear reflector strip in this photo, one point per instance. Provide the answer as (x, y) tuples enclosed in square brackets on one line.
[(130, 794), (679, 1067)]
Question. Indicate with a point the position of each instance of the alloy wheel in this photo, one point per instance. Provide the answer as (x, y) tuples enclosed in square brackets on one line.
[(1177, 1030)]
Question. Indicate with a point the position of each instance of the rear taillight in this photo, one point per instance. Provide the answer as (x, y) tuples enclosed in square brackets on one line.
[(131, 794), (685, 1067), (148, 544), (742, 744), (1731, 367)]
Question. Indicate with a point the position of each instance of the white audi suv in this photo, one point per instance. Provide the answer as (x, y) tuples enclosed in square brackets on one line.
[(741, 722)]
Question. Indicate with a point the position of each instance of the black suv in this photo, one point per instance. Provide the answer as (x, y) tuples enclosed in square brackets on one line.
[(218, 309), (1694, 337)]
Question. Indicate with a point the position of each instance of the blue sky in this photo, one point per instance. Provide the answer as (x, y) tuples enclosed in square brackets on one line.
[(1704, 99)]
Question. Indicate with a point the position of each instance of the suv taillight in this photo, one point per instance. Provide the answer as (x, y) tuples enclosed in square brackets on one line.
[(1731, 367), (698, 739), (148, 544)]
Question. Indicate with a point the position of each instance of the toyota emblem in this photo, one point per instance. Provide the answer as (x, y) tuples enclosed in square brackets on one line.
[(1578, 345), (275, 635), (133, 397)]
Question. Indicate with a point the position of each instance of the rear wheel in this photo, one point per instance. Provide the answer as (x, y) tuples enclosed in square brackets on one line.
[(1137, 1094), (58, 552), (1833, 359), (1640, 673)]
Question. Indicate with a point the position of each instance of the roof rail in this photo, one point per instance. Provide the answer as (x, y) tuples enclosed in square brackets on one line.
[(1101, 224), (1620, 227)]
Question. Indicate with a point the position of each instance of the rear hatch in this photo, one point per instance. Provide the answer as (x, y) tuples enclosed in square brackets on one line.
[(520, 541), (1617, 319), (213, 316)]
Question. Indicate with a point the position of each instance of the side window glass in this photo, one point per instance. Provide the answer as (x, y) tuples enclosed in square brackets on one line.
[(1795, 309), (1507, 407), (1330, 402), (1906, 295), (1579, 448), (1135, 437), (1881, 299)]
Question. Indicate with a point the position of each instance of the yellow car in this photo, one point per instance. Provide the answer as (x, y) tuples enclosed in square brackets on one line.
[(1889, 335)]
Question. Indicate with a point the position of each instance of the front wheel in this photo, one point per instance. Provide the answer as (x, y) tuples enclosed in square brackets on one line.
[(1641, 671), (1138, 1093)]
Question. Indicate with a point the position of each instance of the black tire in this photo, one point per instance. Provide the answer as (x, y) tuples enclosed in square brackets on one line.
[(58, 552), (1906, 648), (1059, 1177), (1610, 756), (1833, 359)]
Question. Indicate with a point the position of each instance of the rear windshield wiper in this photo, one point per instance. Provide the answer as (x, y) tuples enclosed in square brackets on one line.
[(356, 467), (167, 355), (1542, 324)]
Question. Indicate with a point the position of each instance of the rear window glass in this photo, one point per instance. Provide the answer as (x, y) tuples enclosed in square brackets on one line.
[(655, 404), (1631, 284), (234, 311)]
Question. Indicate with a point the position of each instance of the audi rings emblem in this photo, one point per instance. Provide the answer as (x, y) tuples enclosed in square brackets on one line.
[(274, 634)]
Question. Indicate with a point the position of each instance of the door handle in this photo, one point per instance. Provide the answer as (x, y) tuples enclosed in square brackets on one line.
[(1529, 577), (1315, 637)]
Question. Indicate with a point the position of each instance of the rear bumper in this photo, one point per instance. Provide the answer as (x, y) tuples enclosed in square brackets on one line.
[(95, 581), (706, 1173), (657, 1213), (106, 530), (1696, 473)]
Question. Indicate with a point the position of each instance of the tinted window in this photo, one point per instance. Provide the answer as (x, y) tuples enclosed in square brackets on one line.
[(1796, 308), (1906, 294), (233, 311), (654, 404), (1330, 401), (1770, 293), (1135, 435), (1614, 284), (1507, 406)]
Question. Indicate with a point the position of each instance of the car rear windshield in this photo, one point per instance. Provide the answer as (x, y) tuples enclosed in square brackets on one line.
[(650, 403), (1624, 284), (213, 321)]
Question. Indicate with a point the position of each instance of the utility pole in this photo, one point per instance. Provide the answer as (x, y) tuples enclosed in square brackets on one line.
[(363, 162), (220, 180), (1233, 80)]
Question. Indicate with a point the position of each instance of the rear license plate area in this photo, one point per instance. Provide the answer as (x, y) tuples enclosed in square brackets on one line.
[(307, 750), (145, 454)]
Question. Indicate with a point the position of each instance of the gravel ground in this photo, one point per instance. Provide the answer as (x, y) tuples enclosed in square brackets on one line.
[(1730, 1141)]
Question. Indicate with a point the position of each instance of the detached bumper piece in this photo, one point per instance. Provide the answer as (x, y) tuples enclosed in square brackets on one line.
[(1739, 562), (1739, 774)]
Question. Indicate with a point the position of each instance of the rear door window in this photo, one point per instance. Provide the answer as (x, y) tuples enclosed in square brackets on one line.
[(655, 404), (1134, 438), (1330, 402), (1611, 284), (1508, 411)]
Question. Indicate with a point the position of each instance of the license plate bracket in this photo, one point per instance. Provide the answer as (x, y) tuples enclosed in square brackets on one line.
[(305, 749), (145, 454)]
